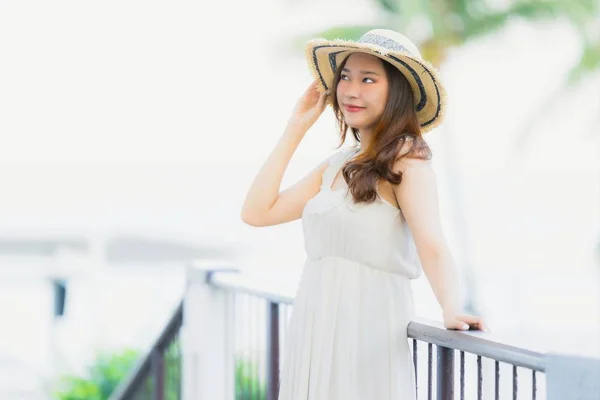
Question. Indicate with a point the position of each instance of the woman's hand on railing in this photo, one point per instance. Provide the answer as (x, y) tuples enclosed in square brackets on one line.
[(464, 322)]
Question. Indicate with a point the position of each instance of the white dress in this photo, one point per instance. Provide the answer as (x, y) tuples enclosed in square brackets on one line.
[(347, 335)]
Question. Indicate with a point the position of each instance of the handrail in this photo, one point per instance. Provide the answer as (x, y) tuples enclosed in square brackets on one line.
[(487, 345), (240, 285), (419, 328), (141, 371)]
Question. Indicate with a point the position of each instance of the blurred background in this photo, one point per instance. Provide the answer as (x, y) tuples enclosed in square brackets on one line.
[(131, 131)]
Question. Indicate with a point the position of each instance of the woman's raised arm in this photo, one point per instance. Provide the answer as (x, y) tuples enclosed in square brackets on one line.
[(264, 204)]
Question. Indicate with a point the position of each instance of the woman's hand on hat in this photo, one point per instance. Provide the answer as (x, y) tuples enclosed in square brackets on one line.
[(309, 107), (463, 322)]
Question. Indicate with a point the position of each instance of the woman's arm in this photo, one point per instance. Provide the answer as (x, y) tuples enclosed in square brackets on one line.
[(264, 204), (418, 198)]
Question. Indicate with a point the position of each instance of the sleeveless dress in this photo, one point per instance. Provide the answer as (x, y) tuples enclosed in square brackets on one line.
[(347, 336)]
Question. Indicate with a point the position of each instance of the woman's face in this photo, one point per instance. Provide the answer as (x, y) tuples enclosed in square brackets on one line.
[(362, 91)]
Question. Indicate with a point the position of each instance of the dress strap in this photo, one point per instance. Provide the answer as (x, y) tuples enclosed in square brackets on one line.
[(336, 162)]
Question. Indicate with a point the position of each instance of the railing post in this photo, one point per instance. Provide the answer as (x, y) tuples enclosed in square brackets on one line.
[(158, 373), (445, 373), (272, 350), (207, 336)]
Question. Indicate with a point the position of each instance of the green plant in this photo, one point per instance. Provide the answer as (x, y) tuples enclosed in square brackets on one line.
[(248, 384), (101, 379), (108, 370), (173, 372)]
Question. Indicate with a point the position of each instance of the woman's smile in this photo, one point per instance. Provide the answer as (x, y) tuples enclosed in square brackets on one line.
[(353, 108)]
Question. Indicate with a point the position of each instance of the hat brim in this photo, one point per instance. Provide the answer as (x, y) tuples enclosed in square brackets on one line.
[(324, 56)]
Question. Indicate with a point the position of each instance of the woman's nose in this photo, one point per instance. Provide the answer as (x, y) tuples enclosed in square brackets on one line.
[(352, 89)]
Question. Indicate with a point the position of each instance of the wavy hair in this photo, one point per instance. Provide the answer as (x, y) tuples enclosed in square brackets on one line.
[(398, 125)]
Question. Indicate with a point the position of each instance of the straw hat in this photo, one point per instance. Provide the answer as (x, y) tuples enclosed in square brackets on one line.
[(324, 56)]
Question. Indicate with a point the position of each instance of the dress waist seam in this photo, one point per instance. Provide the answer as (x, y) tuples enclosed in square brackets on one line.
[(349, 261)]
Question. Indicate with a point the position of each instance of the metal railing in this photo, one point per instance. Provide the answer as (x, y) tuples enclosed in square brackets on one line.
[(431, 334), (257, 369), (482, 347), (233, 333), (157, 376)]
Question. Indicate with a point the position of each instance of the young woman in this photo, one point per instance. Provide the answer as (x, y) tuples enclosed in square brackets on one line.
[(370, 219)]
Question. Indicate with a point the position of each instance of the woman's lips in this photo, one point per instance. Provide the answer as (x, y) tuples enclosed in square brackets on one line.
[(353, 108)]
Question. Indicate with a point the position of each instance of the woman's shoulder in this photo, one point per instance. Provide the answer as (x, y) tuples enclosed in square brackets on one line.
[(410, 161), (410, 156)]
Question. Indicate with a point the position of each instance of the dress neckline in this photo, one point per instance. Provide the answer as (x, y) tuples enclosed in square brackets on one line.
[(337, 167)]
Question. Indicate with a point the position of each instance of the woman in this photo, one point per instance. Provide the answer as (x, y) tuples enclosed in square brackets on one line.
[(370, 219)]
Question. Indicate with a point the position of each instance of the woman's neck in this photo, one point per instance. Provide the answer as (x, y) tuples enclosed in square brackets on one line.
[(365, 139)]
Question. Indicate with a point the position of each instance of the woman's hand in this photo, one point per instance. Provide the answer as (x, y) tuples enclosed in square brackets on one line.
[(309, 108), (464, 322)]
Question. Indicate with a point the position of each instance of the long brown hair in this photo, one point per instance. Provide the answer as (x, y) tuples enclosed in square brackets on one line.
[(397, 125)]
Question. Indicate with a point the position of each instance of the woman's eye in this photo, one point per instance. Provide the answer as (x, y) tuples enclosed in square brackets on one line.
[(345, 77)]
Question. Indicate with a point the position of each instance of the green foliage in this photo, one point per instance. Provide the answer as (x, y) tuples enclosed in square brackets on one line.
[(76, 388), (454, 22), (108, 370), (173, 371), (248, 384), (101, 379), (350, 32)]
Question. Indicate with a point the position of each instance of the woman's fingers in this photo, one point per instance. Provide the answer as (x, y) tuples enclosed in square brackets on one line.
[(465, 322), (310, 106), (310, 97), (312, 92), (322, 100), (469, 319), (475, 321), (311, 87), (460, 325)]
